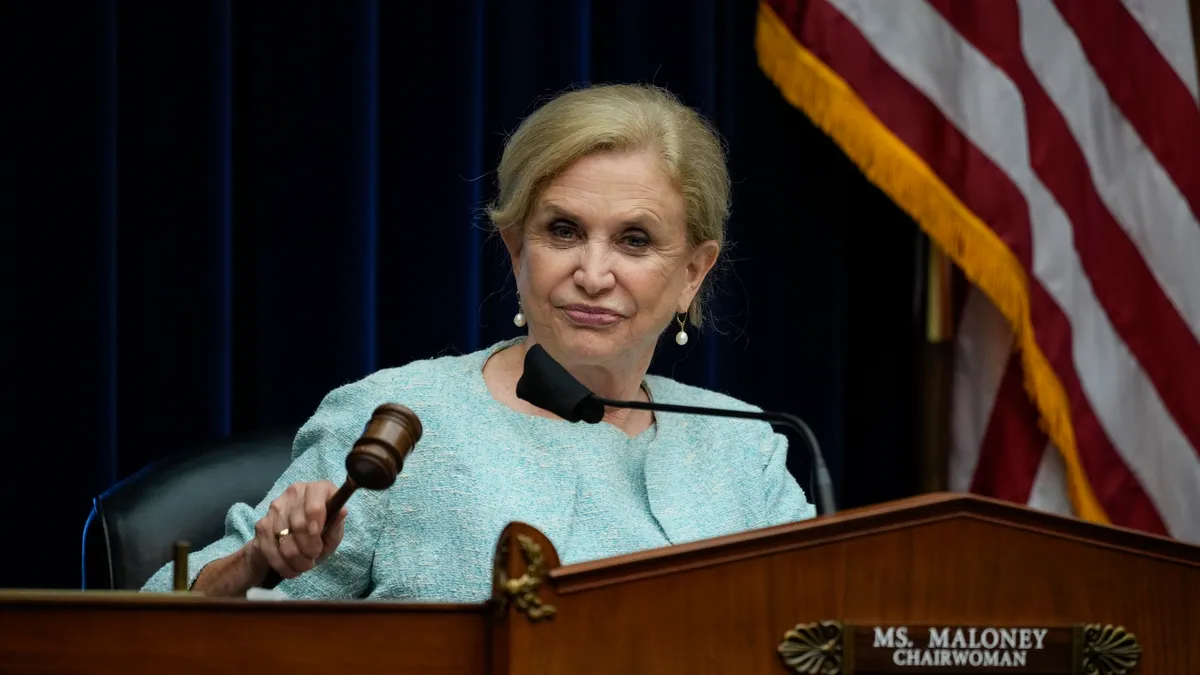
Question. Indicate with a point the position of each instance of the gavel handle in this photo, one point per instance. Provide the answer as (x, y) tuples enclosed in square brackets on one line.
[(332, 508)]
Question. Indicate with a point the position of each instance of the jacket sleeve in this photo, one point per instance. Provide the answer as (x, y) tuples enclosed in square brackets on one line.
[(319, 453), (784, 499)]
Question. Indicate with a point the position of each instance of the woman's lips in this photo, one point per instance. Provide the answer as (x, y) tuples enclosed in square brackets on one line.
[(592, 317)]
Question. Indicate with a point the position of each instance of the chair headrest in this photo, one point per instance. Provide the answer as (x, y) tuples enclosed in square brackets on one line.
[(182, 497)]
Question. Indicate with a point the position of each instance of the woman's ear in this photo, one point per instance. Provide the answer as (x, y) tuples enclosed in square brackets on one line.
[(701, 263), (514, 241)]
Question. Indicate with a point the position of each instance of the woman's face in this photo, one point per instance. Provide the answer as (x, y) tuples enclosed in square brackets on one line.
[(603, 261)]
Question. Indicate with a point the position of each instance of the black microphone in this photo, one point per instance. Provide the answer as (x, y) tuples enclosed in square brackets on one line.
[(546, 384)]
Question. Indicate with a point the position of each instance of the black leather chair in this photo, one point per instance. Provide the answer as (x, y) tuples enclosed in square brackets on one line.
[(134, 525)]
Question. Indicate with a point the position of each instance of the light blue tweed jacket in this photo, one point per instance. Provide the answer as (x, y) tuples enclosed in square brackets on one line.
[(592, 490)]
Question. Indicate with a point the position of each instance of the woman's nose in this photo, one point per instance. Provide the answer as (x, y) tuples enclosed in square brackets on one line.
[(594, 273)]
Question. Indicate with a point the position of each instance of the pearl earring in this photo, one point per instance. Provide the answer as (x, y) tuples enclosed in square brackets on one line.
[(681, 337), (519, 319)]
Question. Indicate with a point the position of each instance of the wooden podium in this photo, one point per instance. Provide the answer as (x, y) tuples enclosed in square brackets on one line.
[(941, 583)]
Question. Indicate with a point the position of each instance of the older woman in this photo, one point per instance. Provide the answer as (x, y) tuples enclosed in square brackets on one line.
[(612, 204)]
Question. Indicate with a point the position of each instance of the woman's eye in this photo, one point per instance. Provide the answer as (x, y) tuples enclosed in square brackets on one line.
[(637, 240), (562, 230)]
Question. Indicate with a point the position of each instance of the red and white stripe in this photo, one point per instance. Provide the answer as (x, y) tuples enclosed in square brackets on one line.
[(1072, 129)]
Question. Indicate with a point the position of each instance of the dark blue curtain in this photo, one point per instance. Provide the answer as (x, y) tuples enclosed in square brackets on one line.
[(217, 211)]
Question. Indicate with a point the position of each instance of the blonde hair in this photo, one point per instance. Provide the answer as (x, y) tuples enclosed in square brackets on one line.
[(619, 118)]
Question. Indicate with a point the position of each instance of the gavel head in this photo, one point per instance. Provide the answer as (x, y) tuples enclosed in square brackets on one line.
[(379, 454)]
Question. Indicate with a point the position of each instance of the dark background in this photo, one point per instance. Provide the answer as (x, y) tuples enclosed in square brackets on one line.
[(215, 212)]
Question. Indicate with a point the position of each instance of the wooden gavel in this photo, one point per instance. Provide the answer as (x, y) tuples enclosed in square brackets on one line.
[(373, 463)]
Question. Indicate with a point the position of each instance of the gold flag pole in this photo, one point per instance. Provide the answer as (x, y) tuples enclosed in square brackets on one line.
[(935, 374)]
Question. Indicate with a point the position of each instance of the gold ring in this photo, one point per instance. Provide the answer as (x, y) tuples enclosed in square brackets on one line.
[(282, 533)]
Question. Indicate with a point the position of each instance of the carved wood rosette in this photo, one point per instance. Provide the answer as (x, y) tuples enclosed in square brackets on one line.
[(1106, 650), (813, 648)]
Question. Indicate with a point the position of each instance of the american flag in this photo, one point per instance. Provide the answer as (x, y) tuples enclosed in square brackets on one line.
[(1050, 149)]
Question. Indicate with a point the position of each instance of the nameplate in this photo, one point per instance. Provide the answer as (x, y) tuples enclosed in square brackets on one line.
[(834, 648)]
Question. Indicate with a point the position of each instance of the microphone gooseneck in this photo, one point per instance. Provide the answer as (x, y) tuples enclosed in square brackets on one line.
[(546, 384)]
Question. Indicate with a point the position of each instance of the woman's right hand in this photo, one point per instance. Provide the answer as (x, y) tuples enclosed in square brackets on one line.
[(301, 511)]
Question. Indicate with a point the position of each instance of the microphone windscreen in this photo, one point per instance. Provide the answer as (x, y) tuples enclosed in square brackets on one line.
[(546, 384)]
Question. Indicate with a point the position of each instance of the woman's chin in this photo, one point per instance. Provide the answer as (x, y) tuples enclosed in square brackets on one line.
[(594, 347)]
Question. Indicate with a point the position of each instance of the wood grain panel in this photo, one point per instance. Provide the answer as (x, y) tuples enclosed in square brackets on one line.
[(82, 633)]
